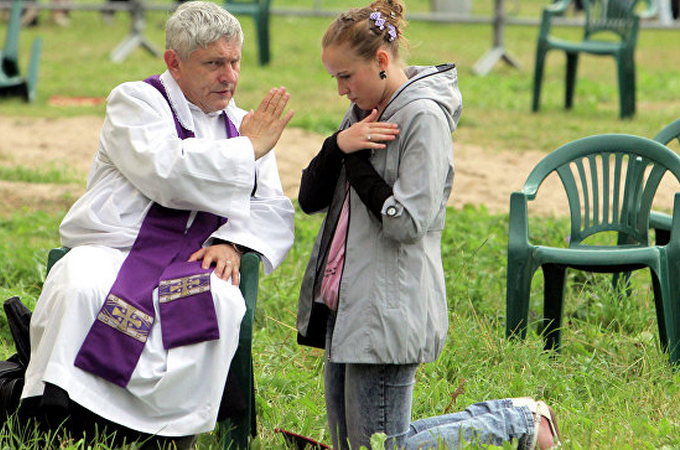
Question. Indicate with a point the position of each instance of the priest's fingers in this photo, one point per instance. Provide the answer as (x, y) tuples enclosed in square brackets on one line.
[(224, 257), (272, 106), (279, 101), (228, 268), (236, 274), (264, 104), (197, 255)]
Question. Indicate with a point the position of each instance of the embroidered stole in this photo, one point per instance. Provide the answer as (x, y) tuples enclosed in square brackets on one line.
[(158, 258)]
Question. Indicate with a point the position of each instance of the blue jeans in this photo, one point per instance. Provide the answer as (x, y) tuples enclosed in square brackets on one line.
[(492, 422), (364, 399)]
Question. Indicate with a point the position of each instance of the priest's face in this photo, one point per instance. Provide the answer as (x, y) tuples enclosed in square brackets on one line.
[(208, 76)]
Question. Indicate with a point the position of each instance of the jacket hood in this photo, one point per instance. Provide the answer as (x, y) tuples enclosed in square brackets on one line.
[(437, 83)]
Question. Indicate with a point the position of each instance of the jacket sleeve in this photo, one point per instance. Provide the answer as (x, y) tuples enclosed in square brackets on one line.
[(320, 177), (368, 184), (424, 178)]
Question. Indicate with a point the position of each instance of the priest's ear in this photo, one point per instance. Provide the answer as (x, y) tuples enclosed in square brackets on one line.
[(172, 60)]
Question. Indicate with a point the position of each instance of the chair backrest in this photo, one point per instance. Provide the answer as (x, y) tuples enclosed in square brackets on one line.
[(610, 181), (668, 133), (613, 16)]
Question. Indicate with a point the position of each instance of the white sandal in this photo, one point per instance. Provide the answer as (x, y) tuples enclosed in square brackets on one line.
[(541, 411)]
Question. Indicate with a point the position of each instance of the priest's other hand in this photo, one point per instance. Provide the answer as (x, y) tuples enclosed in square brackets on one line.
[(226, 259)]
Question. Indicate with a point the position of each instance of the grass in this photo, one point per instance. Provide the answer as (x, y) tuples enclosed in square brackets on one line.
[(611, 385), (52, 174)]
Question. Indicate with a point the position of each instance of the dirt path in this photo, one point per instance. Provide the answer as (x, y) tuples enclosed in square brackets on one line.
[(482, 176)]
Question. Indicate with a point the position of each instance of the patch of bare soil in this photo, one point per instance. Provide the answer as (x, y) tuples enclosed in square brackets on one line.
[(482, 176)]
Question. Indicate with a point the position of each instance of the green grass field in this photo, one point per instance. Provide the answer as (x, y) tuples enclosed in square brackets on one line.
[(611, 385)]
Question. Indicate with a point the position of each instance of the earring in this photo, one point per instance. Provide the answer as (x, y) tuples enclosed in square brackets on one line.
[(382, 75)]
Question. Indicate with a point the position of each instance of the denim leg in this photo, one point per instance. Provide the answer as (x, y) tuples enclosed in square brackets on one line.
[(492, 422), (334, 388), (471, 411), (334, 391), (378, 399), (363, 399)]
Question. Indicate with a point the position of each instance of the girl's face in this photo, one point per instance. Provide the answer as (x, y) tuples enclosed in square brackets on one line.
[(357, 78)]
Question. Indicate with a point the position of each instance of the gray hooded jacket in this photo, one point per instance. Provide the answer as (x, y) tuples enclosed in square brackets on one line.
[(392, 301)]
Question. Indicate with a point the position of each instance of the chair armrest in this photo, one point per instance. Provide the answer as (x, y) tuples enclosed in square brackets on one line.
[(518, 228), (557, 9), (660, 221), (675, 220), (651, 10)]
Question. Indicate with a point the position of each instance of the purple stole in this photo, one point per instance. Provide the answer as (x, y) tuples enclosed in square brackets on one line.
[(158, 258)]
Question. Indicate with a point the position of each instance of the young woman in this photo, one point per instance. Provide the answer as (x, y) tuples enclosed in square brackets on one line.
[(373, 294)]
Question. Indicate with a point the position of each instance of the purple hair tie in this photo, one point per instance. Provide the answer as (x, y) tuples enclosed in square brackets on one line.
[(392, 32), (377, 18)]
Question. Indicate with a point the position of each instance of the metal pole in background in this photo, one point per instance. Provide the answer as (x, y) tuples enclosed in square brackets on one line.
[(497, 52), (135, 38)]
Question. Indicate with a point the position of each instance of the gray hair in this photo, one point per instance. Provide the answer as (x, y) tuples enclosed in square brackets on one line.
[(198, 24)]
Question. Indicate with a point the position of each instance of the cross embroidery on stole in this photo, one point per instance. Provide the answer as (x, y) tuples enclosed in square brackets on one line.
[(122, 316), (169, 290)]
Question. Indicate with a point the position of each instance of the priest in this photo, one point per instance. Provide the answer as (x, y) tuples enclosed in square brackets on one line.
[(136, 326)]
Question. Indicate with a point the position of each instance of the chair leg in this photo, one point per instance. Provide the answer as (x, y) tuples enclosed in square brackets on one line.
[(538, 77), (626, 75), (32, 75), (553, 303), (262, 25), (570, 85), (659, 305), (666, 289), (518, 290)]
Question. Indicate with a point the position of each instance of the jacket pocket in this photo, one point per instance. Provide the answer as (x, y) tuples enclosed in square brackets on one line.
[(389, 258)]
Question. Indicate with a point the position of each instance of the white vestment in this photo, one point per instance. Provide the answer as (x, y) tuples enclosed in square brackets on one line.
[(141, 160)]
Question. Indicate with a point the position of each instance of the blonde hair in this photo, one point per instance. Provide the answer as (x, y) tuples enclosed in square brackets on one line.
[(358, 28)]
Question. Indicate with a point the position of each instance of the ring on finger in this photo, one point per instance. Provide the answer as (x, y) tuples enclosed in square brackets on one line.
[(368, 137)]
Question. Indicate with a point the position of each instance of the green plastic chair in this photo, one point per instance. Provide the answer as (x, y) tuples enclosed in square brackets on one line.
[(610, 181), (660, 222), (239, 423), (604, 20), (237, 417), (11, 81), (259, 11)]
